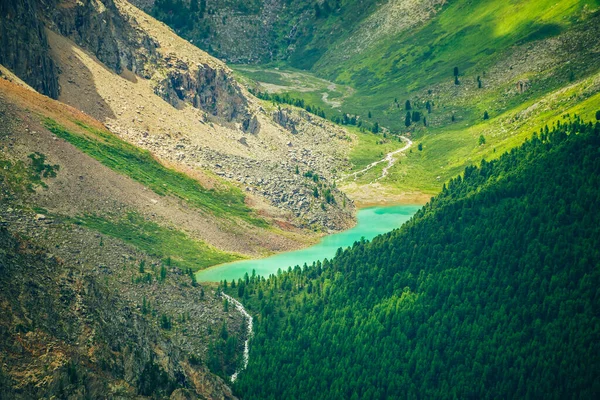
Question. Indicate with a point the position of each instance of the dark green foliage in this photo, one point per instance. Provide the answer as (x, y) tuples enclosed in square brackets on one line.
[(165, 322), (318, 12), (145, 306), (142, 267), (486, 115), (420, 147), (286, 99), (490, 291), (407, 105), (456, 81), (40, 168), (479, 84), (222, 356), (407, 119), (455, 72), (481, 140), (416, 116), (20, 177), (598, 115), (192, 276), (369, 114), (375, 128)]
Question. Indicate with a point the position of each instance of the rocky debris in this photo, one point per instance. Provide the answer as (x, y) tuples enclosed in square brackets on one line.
[(24, 46), (284, 118), (523, 85), (251, 125), (270, 172), (279, 183)]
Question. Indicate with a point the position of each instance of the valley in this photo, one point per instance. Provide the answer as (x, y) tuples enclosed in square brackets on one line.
[(364, 199)]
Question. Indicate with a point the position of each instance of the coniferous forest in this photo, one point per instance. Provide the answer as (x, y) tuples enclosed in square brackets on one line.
[(492, 290)]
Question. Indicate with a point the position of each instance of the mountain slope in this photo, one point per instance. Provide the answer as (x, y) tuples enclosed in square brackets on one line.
[(83, 312), (162, 94), (489, 291)]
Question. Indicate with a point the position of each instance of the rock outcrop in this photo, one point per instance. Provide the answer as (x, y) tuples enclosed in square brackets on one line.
[(116, 39), (204, 87), (24, 47)]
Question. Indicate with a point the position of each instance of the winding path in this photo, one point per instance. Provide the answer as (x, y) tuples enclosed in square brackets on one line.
[(245, 313), (389, 158)]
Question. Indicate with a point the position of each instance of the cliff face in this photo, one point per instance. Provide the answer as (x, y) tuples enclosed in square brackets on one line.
[(205, 88), (100, 28), (116, 39), (107, 31), (24, 46)]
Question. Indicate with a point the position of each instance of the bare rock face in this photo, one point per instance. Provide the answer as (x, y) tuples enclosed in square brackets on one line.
[(115, 38), (523, 85), (251, 125), (285, 119), (100, 28), (24, 47), (205, 88)]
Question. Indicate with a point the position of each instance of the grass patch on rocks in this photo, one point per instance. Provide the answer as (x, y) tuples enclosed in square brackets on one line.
[(141, 166)]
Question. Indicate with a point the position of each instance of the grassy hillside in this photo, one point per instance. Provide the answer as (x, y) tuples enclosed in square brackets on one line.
[(520, 65)]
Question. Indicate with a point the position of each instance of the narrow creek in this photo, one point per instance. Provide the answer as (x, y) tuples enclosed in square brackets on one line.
[(246, 355)]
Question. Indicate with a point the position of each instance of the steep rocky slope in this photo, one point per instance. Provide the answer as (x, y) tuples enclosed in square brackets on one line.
[(86, 314), (161, 93)]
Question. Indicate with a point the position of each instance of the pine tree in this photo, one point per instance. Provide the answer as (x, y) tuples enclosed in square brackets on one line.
[(481, 140), (194, 6), (598, 115), (486, 115), (407, 105), (375, 128), (456, 72), (407, 120), (318, 11)]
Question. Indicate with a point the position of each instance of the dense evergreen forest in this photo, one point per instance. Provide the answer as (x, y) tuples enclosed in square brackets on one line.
[(492, 290)]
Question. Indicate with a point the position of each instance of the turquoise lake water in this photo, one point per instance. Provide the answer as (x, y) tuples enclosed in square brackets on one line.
[(371, 222)]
